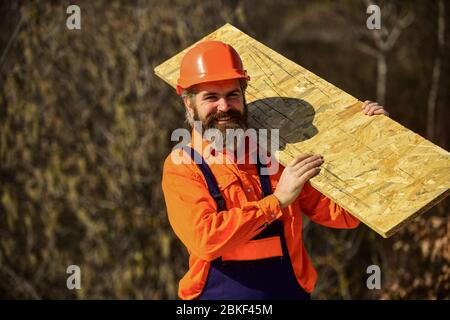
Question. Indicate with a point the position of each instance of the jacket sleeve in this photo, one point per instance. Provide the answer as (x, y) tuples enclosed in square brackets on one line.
[(194, 218), (323, 210)]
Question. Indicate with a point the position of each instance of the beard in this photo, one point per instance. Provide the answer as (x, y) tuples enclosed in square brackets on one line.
[(234, 120)]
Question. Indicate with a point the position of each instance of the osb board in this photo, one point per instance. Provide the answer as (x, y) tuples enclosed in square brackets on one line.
[(378, 170)]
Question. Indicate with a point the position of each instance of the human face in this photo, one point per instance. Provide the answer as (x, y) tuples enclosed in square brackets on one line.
[(218, 104)]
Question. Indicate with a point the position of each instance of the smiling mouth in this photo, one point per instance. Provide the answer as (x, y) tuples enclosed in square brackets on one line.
[(224, 120)]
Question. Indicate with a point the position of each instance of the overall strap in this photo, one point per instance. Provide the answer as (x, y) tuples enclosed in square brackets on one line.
[(264, 179), (209, 177), (275, 228), (212, 183)]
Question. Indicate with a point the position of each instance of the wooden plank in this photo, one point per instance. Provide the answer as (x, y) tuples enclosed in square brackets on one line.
[(378, 170)]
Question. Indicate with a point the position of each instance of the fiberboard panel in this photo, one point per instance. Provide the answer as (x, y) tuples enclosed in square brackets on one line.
[(378, 170)]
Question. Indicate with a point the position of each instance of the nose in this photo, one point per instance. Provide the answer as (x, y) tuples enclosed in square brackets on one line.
[(223, 105)]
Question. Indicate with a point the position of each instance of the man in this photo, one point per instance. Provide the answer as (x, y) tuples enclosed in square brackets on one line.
[(243, 229)]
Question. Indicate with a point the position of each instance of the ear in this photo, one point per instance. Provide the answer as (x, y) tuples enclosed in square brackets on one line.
[(188, 104)]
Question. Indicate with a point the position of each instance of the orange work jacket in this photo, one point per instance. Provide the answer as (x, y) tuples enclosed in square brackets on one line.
[(208, 234)]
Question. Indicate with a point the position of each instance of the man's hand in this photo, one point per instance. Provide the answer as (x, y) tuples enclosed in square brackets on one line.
[(294, 176), (372, 108)]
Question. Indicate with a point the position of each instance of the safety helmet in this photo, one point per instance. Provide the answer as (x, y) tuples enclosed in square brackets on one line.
[(210, 61)]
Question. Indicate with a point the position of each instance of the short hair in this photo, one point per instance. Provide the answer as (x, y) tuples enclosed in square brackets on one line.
[(191, 91)]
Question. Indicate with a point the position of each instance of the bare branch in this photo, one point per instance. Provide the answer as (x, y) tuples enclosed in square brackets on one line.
[(400, 25)]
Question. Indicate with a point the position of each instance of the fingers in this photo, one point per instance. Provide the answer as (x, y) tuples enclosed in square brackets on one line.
[(367, 102), (370, 107), (310, 174), (373, 108), (308, 164), (377, 108), (306, 160), (298, 159), (381, 111)]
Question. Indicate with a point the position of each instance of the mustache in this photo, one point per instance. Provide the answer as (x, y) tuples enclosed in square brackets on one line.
[(231, 115)]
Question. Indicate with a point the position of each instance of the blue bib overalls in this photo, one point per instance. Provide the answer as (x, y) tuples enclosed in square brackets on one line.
[(270, 278)]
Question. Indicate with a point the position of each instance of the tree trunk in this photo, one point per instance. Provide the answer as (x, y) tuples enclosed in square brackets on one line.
[(435, 78), (381, 77)]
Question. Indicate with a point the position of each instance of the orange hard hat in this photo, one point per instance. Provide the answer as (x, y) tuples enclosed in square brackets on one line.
[(210, 61)]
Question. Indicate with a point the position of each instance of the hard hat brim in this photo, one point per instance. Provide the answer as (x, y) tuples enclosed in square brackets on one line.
[(187, 83)]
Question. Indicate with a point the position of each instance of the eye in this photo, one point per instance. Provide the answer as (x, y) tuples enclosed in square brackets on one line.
[(210, 98)]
